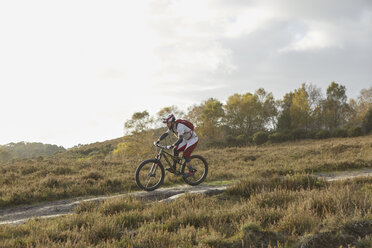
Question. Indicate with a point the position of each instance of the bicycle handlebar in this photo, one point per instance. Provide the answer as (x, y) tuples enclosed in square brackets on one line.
[(159, 146)]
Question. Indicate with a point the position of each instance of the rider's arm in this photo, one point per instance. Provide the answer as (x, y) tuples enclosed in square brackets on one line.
[(180, 131), (163, 136), (180, 138)]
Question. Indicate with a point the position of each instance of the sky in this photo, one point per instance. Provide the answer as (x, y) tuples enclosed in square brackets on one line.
[(72, 72)]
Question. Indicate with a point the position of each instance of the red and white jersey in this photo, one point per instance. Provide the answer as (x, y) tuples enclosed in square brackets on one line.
[(181, 129)]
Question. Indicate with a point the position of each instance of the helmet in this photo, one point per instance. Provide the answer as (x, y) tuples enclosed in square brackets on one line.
[(169, 118)]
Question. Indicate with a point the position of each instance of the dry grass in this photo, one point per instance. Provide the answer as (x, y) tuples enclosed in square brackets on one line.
[(275, 216), (276, 203), (67, 175)]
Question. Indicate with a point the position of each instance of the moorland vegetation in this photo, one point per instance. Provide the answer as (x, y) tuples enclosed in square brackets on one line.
[(270, 150), (275, 200)]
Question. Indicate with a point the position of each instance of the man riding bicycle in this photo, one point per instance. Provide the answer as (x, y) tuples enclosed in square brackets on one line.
[(187, 140)]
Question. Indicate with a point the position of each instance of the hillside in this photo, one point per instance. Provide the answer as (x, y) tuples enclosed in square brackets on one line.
[(274, 202), (94, 169), (27, 150)]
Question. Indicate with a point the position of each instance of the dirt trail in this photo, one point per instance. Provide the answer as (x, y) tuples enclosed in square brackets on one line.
[(20, 214), (342, 175)]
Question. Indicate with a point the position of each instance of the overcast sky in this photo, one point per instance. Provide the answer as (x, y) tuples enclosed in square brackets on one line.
[(72, 72)]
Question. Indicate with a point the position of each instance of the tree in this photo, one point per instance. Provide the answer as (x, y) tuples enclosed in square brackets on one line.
[(4, 156), (140, 122), (300, 109), (30, 149), (245, 114), (168, 110), (367, 122), (249, 113), (315, 99), (268, 111), (195, 114), (336, 110), (211, 116), (284, 118), (360, 107)]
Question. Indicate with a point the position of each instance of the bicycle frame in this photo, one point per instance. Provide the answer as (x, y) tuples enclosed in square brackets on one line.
[(168, 156)]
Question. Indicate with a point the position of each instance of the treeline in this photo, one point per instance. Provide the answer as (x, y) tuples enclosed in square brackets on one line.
[(27, 150), (257, 117)]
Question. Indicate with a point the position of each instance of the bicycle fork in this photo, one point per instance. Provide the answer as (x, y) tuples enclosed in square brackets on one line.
[(154, 167)]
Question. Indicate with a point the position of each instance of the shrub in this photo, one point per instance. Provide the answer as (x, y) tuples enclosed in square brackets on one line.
[(299, 134), (367, 122), (322, 134), (340, 133), (50, 182), (230, 140), (260, 138), (277, 137), (238, 140), (93, 175), (355, 132)]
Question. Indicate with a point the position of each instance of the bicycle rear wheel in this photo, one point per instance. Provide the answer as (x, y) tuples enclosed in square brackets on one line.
[(200, 167), (150, 174)]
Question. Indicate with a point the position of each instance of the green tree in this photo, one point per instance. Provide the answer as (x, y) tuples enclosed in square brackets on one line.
[(168, 110), (367, 122), (360, 107), (336, 111), (268, 111), (139, 122), (250, 113), (243, 114), (211, 117), (284, 118), (315, 99), (300, 109), (194, 114)]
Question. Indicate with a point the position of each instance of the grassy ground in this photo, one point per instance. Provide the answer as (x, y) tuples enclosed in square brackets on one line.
[(65, 175), (274, 202), (254, 213)]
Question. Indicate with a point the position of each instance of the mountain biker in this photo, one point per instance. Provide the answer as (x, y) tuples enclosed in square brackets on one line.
[(187, 140)]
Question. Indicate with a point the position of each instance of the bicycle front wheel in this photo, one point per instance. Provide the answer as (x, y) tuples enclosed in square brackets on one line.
[(199, 170), (150, 174)]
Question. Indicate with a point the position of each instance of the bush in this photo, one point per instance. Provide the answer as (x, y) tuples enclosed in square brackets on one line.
[(322, 134), (277, 137), (340, 133), (312, 134), (367, 122), (260, 138), (299, 134), (355, 132), (238, 140)]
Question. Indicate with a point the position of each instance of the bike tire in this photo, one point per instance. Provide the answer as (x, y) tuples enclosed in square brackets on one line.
[(201, 164), (144, 169)]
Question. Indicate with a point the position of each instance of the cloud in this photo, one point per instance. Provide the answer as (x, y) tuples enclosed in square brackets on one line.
[(271, 44), (88, 65)]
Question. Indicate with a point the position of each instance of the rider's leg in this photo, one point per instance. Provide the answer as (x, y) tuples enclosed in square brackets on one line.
[(177, 150), (187, 152)]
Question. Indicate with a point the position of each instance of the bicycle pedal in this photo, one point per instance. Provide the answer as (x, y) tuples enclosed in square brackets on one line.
[(188, 174)]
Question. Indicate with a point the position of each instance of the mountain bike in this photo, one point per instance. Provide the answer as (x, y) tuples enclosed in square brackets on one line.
[(150, 173)]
